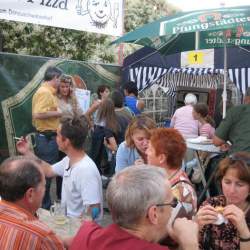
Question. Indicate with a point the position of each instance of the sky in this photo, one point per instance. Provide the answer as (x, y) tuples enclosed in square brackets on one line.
[(188, 5)]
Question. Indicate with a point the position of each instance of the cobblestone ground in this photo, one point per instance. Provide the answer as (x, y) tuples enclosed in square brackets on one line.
[(106, 215)]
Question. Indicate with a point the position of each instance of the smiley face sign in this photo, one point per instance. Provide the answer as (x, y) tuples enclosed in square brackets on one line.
[(99, 11)]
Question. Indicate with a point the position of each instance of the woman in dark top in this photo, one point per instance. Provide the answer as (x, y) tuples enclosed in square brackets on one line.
[(225, 220)]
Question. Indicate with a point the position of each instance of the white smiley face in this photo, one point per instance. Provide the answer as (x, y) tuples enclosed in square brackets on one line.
[(99, 10)]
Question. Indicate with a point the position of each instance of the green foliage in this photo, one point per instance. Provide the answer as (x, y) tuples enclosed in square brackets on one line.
[(140, 12), (30, 39), (38, 40)]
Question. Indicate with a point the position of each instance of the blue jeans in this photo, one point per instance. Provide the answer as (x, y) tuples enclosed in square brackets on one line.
[(47, 150)]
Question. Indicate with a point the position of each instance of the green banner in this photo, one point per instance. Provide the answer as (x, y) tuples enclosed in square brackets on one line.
[(215, 39), (207, 20), (201, 29), (20, 76)]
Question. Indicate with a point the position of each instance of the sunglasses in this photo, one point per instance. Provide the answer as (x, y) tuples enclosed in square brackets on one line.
[(241, 158), (66, 79), (173, 203)]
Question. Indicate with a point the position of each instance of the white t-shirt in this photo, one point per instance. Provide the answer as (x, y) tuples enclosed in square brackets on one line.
[(81, 185)]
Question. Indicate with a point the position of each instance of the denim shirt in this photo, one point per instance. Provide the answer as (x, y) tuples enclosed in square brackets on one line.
[(125, 156)]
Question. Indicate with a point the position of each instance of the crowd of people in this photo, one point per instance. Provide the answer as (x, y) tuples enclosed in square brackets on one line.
[(150, 196)]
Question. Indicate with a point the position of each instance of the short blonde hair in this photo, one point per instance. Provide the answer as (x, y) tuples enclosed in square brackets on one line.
[(142, 122)]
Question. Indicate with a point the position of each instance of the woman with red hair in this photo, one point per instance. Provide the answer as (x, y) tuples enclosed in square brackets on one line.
[(167, 149)]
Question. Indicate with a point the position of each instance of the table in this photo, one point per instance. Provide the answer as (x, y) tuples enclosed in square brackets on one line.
[(204, 147), (68, 229)]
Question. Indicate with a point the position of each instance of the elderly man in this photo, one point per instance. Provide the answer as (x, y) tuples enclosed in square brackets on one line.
[(183, 120), (235, 128), (140, 202), (22, 187), (45, 115), (82, 185)]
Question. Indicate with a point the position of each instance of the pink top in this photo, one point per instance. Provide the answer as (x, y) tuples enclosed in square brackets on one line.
[(184, 122), (207, 130)]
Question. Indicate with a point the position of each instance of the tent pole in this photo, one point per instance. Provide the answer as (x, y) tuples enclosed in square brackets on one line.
[(224, 94), (197, 40)]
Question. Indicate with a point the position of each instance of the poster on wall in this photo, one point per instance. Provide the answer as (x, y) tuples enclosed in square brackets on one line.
[(99, 16), (18, 86), (83, 98)]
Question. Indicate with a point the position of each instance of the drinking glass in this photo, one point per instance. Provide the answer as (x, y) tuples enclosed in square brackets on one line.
[(58, 212)]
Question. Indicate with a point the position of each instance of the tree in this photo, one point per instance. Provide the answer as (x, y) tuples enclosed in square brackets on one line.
[(24, 38), (140, 12)]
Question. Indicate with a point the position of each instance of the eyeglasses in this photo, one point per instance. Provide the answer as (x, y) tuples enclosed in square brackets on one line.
[(173, 203), (66, 79), (241, 158)]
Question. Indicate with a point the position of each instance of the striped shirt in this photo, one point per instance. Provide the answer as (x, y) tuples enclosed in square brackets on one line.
[(20, 230)]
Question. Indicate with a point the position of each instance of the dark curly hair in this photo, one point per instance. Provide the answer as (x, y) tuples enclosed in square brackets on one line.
[(75, 128), (101, 89)]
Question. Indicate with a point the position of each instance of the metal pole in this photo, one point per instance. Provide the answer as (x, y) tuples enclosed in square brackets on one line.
[(224, 94), (121, 46), (197, 40)]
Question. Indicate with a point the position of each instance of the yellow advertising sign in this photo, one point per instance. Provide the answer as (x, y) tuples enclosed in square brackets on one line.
[(198, 59), (195, 57)]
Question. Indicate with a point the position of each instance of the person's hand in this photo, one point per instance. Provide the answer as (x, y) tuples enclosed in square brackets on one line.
[(186, 233), (237, 217), (139, 161), (110, 143), (23, 147), (106, 143), (225, 147), (59, 111), (96, 104), (206, 215)]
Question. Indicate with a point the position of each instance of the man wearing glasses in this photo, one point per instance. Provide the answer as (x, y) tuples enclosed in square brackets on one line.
[(141, 203)]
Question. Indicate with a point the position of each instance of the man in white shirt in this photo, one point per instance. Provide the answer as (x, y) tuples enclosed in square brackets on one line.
[(82, 186)]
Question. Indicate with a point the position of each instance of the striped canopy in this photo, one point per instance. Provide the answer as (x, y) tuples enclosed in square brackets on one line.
[(145, 76)]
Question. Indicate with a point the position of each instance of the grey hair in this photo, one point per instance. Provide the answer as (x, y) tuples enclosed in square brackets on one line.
[(190, 98), (133, 190)]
